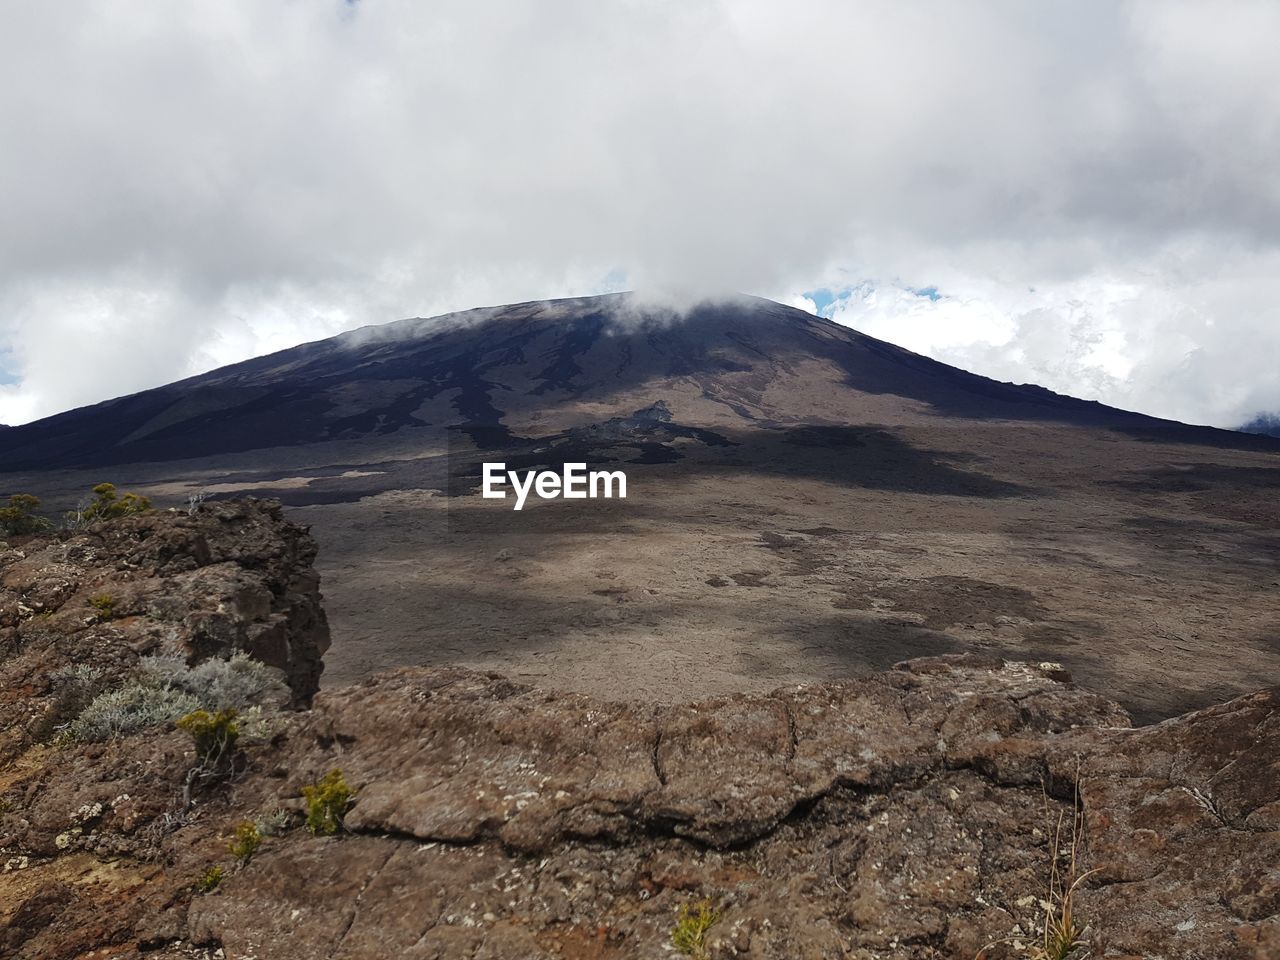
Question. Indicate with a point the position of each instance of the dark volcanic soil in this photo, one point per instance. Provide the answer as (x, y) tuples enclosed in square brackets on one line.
[(715, 577)]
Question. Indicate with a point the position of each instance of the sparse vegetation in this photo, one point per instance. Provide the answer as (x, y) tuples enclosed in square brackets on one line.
[(128, 709), (693, 920), (274, 823), (76, 674), (214, 734), (194, 502), (74, 688), (235, 682), (209, 880), (1062, 932), (163, 690), (19, 518), (107, 504), (104, 604), (327, 803), (246, 841)]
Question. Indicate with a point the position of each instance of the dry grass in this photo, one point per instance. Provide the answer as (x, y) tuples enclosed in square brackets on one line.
[(1062, 932)]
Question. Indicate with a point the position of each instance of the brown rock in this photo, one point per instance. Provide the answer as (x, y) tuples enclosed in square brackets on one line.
[(918, 813)]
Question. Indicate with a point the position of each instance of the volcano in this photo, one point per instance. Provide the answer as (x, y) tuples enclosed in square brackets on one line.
[(804, 502), (530, 367)]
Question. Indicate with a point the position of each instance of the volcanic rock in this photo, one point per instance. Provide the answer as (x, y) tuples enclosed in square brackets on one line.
[(921, 812)]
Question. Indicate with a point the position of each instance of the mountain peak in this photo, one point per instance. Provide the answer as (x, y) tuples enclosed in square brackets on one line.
[(530, 367)]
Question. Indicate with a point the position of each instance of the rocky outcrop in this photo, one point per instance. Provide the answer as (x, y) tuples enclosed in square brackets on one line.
[(912, 814), (919, 813), (230, 576), (550, 767)]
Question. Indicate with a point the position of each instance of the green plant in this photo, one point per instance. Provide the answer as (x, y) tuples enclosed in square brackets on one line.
[(163, 690), (209, 880), (128, 709), (274, 823), (693, 920), (216, 683), (107, 504), (246, 841), (74, 688), (105, 604), (214, 734), (20, 518), (327, 802)]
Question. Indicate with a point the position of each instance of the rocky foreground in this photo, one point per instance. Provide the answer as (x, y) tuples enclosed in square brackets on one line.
[(920, 812)]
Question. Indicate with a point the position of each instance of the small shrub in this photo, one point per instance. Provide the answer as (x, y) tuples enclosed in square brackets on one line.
[(693, 920), (246, 841), (217, 684), (209, 880), (236, 682), (74, 519), (105, 604), (74, 688), (327, 803), (165, 690), (128, 709), (274, 823), (163, 670), (19, 517), (259, 724), (214, 734), (76, 674), (107, 504)]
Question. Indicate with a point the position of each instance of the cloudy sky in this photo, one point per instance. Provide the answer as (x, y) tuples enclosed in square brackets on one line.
[(1080, 194)]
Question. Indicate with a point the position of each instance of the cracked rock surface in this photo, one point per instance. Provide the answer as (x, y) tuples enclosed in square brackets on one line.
[(915, 813)]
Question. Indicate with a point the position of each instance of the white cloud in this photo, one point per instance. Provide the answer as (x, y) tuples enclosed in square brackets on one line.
[(184, 185), (800, 302), (1192, 342)]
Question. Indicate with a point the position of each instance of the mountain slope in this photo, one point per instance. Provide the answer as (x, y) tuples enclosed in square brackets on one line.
[(746, 361)]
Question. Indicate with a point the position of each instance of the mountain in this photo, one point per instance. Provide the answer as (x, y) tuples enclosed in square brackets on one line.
[(804, 502), (1265, 424), (511, 370)]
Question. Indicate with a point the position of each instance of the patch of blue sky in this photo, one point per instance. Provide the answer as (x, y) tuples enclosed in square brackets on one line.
[(822, 300), (826, 300)]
